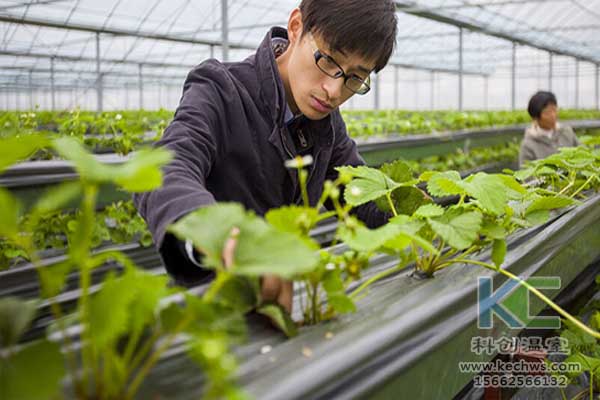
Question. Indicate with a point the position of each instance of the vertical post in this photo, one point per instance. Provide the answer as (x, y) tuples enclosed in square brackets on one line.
[(376, 94), (576, 83), (127, 96), (432, 91), (513, 78), (225, 30), (460, 69), (160, 93), (416, 83), (486, 91), (597, 88), (52, 91), (99, 90), (550, 70), (76, 101), (30, 84), (141, 86), (396, 87)]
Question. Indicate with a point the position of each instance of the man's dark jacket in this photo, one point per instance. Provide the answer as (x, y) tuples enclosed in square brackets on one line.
[(230, 142)]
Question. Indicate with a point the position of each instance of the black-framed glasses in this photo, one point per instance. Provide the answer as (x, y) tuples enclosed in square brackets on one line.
[(332, 69)]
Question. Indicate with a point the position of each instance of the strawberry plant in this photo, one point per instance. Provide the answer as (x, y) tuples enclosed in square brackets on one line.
[(126, 326)]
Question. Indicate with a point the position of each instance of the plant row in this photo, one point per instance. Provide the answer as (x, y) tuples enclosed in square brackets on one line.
[(125, 328), (124, 131)]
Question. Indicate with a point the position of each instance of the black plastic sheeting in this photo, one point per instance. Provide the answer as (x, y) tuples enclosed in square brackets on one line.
[(408, 335)]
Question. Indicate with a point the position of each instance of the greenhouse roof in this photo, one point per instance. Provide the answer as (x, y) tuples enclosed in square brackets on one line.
[(169, 37)]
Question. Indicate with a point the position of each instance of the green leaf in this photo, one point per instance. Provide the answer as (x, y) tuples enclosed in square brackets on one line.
[(15, 317), (458, 229), (515, 190), (336, 295), (87, 166), (549, 203), (293, 219), (109, 310), (261, 249), (142, 172), (53, 278), (17, 148), (280, 318), (58, 197), (20, 376), (361, 238), (399, 171), (149, 290), (9, 214), (240, 293), (367, 184), (538, 217), (406, 200), (492, 230), (208, 228), (489, 190), (498, 251), (429, 211), (170, 316), (445, 184), (588, 364), (139, 174)]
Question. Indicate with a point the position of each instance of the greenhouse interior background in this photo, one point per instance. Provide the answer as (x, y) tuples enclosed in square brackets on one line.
[(350, 260), (471, 55)]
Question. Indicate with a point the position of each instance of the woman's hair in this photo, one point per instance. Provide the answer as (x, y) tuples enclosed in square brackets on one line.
[(364, 27), (539, 101)]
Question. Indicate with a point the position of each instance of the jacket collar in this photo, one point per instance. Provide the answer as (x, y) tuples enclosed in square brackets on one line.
[(271, 85)]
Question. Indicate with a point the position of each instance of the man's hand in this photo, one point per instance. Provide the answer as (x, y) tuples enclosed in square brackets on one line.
[(272, 287)]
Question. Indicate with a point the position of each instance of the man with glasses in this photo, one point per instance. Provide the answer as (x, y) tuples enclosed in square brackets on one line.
[(237, 123)]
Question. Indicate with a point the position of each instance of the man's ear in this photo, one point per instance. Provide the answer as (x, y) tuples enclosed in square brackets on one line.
[(295, 26)]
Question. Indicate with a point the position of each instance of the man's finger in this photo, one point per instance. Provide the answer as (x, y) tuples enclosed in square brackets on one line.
[(286, 295), (270, 287), (229, 248)]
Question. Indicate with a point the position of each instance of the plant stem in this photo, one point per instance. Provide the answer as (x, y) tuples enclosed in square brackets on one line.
[(81, 257), (154, 357), (375, 278), (213, 290), (533, 290), (388, 196), (302, 175), (58, 315), (583, 186)]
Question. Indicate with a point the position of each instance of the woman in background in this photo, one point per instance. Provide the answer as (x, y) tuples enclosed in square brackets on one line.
[(545, 135)]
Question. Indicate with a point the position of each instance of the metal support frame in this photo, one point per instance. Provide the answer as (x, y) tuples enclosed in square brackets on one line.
[(30, 84), (225, 30), (52, 89), (597, 87), (432, 91), (141, 85), (486, 92), (460, 68), (550, 70), (99, 89), (513, 78), (576, 84)]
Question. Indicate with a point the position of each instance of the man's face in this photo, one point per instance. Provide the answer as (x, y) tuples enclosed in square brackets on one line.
[(315, 93), (548, 117)]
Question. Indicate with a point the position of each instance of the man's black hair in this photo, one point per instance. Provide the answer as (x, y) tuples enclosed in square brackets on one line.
[(363, 27), (539, 101)]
